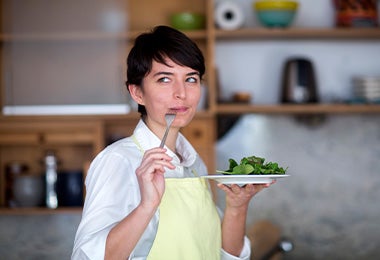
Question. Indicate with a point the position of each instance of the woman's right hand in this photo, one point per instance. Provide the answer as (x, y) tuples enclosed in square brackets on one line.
[(150, 175)]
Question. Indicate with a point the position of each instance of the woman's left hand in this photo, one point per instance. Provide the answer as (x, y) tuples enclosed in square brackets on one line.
[(237, 196)]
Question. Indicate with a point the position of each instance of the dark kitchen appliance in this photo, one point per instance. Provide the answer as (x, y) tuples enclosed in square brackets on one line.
[(298, 82), (70, 188)]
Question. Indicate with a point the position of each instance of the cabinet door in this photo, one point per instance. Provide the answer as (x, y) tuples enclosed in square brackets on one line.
[(75, 133), (19, 138), (201, 134)]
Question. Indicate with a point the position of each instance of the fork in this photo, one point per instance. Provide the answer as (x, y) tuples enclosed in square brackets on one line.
[(169, 118)]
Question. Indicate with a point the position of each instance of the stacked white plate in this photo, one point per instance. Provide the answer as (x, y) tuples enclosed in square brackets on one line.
[(367, 88)]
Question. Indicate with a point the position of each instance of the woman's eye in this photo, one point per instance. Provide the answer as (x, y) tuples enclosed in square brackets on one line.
[(164, 80), (192, 80)]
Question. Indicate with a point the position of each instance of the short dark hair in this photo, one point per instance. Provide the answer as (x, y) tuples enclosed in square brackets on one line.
[(160, 43)]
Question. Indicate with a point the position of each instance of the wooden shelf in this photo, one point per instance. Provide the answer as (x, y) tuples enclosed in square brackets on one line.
[(80, 118), (68, 36), (68, 118), (297, 109), (84, 36), (300, 33), (40, 211), (198, 34), (248, 33)]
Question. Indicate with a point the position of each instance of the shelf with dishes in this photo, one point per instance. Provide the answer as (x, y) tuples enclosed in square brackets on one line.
[(244, 33), (225, 109)]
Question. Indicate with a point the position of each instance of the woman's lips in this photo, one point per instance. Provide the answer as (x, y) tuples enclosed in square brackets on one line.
[(178, 109)]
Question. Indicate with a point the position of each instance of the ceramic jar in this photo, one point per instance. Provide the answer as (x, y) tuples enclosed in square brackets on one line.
[(28, 190)]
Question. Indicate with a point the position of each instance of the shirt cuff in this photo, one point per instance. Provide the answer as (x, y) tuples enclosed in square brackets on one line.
[(244, 255)]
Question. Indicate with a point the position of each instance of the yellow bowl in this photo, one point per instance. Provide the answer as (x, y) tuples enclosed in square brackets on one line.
[(275, 5)]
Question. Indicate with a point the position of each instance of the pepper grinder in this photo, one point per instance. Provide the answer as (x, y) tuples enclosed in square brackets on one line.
[(51, 180)]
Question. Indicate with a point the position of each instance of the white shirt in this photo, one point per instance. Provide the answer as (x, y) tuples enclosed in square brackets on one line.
[(112, 192)]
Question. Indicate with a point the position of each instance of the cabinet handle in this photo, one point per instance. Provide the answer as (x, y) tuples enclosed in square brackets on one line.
[(41, 138), (197, 133)]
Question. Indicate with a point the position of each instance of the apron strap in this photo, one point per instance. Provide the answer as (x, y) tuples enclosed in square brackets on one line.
[(137, 143)]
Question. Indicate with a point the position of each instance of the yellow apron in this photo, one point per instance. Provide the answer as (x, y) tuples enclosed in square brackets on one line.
[(189, 226)]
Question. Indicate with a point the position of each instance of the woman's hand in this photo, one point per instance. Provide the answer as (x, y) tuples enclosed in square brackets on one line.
[(124, 236), (238, 197), (150, 175)]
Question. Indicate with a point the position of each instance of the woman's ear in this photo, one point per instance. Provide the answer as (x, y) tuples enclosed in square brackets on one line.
[(136, 93)]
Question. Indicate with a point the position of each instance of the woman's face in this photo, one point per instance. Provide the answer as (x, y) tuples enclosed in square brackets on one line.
[(170, 89)]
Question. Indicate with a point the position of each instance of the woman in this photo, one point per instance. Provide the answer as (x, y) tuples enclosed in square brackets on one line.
[(146, 202)]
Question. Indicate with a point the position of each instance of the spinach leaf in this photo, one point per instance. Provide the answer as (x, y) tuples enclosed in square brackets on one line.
[(253, 165)]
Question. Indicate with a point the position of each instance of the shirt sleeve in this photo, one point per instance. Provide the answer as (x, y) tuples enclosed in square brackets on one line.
[(104, 207), (92, 248), (244, 255)]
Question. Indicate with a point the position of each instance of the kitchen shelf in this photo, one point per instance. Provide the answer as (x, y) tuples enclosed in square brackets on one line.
[(248, 33), (80, 118), (68, 36), (300, 33), (193, 34), (84, 36), (40, 211), (225, 109)]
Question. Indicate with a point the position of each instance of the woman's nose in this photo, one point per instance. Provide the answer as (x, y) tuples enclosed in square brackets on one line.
[(180, 91)]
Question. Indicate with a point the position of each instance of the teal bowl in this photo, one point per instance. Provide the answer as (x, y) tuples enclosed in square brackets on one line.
[(276, 18), (187, 21)]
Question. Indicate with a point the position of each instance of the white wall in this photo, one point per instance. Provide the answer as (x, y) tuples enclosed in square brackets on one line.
[(256, 66), (71, 70)]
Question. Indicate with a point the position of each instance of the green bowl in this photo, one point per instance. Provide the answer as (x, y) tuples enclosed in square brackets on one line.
[(276, 18), (187, 21)]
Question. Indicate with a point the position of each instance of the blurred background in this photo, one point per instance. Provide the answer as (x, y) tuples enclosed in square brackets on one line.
[(327, 207)]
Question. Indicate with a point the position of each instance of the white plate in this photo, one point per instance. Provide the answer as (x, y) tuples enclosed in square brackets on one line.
[(244, 179)]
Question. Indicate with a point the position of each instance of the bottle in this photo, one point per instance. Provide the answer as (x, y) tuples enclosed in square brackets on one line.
[(51, 180)]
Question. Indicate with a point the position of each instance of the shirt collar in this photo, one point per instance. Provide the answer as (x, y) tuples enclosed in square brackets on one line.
[(147, 140)]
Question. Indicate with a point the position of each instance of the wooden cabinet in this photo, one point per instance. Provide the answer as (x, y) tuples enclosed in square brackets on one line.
[(201, 134), (75, 140), (28, 139)]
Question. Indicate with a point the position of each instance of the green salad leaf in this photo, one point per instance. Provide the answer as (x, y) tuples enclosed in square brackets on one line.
[(253, 165)]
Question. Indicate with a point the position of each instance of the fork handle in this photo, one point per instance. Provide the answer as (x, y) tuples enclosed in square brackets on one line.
[(164, 138)]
